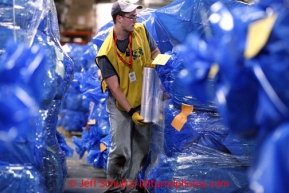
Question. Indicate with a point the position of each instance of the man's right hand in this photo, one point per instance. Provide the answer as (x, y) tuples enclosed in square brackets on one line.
[(150, 64), (137, 119)]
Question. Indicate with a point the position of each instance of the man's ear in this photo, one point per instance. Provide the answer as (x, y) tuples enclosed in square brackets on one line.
[(118, 17)]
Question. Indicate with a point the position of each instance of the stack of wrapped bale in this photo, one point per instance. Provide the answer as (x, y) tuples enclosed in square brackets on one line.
[(84, 104), (194, 150), (251, 53), (43, 72)]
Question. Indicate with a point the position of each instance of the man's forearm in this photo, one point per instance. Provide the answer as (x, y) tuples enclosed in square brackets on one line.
[(112, 83), (155, 53)]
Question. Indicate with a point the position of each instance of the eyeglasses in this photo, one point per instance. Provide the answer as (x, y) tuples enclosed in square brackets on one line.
[(133, 17)]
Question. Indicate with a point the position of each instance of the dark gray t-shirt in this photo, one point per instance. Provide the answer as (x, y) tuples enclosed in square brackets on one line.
[(106, 67)]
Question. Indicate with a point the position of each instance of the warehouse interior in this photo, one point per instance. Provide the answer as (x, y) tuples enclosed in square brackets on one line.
[(218, 107)]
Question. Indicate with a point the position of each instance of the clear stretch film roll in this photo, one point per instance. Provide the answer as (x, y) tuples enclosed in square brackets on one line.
[(147, 94)]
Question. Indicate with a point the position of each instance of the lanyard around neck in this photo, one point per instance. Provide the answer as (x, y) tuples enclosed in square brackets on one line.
[(130, 51)]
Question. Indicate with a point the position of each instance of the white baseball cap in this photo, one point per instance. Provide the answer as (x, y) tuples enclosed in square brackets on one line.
[(124, 6)]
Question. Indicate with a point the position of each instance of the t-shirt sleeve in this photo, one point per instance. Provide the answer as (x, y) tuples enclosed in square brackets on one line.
[(152, 43), (105, 67)]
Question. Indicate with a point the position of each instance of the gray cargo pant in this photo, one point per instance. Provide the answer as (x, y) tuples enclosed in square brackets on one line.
[(129, 147)]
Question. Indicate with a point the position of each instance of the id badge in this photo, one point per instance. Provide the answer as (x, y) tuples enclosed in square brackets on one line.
[(132, 77)]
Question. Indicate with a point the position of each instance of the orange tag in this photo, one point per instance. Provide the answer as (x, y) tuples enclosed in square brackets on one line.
[(180, 120), (91, 122), (102, 147)]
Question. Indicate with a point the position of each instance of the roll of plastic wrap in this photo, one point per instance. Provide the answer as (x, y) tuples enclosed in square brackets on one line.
[(147, 94)]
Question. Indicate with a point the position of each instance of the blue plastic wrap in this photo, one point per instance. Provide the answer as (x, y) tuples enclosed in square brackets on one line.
[(48, 36), (19, 25), (99, 38), (90, 142), (84, 89), (96, 134), (21, 110), (273, 79), (79, 146), (22, 143), (234, 84), (204, 128), (24, 179), (242, 148), (210, 171), (53, 146), (107, 142), (154, 26), (164, 73), (75, 52), (63, 145), (95, 156), (252, 95), (31, 74), (89, 56), (98, 113), (54, 172), (181, 94), (73, 120), (35, 75), (270, 171), (187, 16)]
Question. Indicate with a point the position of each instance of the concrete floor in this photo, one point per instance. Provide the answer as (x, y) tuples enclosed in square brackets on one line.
[(82, 177)]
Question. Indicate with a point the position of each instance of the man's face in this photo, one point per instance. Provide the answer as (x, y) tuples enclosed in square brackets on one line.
[(129, 20)]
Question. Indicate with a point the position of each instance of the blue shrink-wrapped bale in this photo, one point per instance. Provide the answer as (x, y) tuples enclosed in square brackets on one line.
[(187, 16), (154, 26), (79, 146), (22, 139), (74, 100), (92, 141), (39, 78), (233, 83), (89, 54), (53, 179), (95, 134), (106, 141), (181, 93), (17, 24), (47, 34), (54, 172), (84, 89), (23, 179), (203, 170), (73, 120), (164, 73), (251, 86), (270, 169), (98, 153), (273, 79), (102, 33), (204, 128), (75, 52), (242, 148), (68, 151), (19, 104)]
